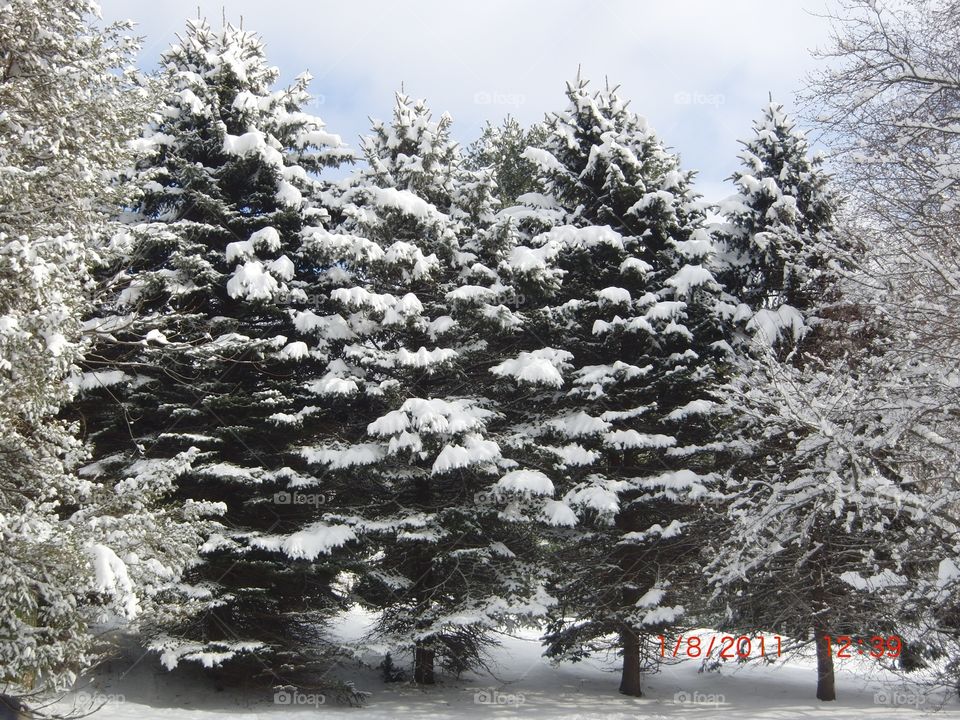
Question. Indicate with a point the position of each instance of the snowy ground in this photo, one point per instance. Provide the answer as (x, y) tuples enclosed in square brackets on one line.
[(526, 686)]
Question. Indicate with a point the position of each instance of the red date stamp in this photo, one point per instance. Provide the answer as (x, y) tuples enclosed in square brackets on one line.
[(726, 647), (876, 646)]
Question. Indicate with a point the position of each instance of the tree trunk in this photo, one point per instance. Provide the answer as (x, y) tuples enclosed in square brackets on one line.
[(826, 688), (423, 665), (423, 656), (630, 678)]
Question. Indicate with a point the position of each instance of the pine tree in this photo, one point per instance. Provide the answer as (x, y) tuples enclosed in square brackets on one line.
[(408, 269), (199, 352), (74, 550), (626, 344), (780, 253), (501, 149), (819, 506)]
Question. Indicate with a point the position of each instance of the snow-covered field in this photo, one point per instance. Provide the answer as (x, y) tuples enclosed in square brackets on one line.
[(523, 684)]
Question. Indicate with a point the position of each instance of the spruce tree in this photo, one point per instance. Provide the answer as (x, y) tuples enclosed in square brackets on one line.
[(412, 276), (819, 505), (501, 148), (627, 342), (199, 352), (779, 251)]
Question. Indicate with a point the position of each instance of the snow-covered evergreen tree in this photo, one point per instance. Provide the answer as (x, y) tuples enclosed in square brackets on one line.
[(501, 148), (822, 499), (72, 550), (199, 353), (779, 247), (408, 269), (626, 342), (825, 509)]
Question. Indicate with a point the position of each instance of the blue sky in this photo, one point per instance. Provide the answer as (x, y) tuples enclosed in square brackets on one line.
[(698, 70)]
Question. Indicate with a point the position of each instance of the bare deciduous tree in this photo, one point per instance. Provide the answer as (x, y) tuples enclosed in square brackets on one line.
[(889, 105)]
